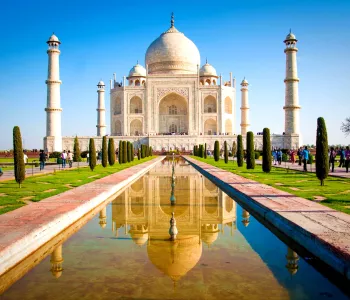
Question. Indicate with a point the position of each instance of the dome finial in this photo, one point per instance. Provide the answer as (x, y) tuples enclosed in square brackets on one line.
[(172, 20), (290, 30), (206, 60), (137, 62)]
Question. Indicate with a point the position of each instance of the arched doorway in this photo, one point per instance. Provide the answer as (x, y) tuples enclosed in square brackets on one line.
[(228, 105), (210, 127), (135, 105), (136, 127), (118, 128), (209, 104), (173, 114)]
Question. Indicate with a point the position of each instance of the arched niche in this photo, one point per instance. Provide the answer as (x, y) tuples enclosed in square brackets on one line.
[(173, 113), (118, 127), (118, 106), (135, 105), (135, 127), (209, 104), (210, 127), (228, 105), (228, 126), (228, 204)]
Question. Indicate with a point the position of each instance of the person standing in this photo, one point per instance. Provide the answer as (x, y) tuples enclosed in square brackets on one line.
[(347, 159), (342, 158), (305, 155), (87, 157), (274, 154), (279, 156), (332, 155), (292, 156), (42, 158), (300, 155), (64, 158), (70, 158)]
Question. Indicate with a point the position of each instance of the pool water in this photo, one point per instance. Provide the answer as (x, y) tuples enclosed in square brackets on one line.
[(220, 251)]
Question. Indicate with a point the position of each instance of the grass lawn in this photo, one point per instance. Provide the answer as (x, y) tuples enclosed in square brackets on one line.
[(336, 192), (40, 187)]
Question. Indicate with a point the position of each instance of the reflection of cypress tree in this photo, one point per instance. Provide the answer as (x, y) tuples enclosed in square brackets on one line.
[(225, 152), (205, 150), (128, 154), (120, 152), (266, 157), (322, 162), (239, 151), (216, 151), (111, 152), (92, 154), (250, 150), (125, 152), (18, 157), (104, 152), (76, 150)]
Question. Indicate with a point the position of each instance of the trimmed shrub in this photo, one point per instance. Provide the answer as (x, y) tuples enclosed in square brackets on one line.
[(225, 152), (132, 152), (92, 154), (216, 151), (250, 150), (18, 157), (57, 154), (138, 153), (125, 152), (194, 150), (142, 151), (284, 157), (111, 152), (120, 152), (234, 149), (311, 159), (128, 153), (239, 151), (266, 156), (104, 152), (205, 150), (76, 150), (322, 161), (256, 154)]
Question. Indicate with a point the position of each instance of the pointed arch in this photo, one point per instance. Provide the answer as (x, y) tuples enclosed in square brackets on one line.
[(135, 105), (210, 127), (135, 127), (210, 104), (228, 105)]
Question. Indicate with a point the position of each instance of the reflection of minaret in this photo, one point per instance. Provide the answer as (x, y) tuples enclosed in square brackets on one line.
[(292, 261), (56, 262), (103, 217), (209, 233), (245, 216), (172, 196), (173, 229)]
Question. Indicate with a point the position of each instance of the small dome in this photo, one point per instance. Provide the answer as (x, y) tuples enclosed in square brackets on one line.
[(100, 83), (290, 36), (244, 82), (139, 238), (53, 38), (137, 71), (207, 70)]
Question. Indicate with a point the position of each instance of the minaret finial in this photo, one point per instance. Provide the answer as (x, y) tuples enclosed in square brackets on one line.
[(172, 19), (206, 60), (137, 62), (290, 30)]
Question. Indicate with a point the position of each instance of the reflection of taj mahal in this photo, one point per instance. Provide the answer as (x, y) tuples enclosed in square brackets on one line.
[(173, 102)]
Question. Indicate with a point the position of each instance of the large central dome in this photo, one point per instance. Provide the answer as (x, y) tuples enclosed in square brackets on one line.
[(172, 53)]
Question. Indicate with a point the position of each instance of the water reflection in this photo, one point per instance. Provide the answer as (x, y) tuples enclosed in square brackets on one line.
[(56, 262)]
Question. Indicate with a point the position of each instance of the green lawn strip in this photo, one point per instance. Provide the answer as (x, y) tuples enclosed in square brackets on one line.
[(336, 192), (47, 185)]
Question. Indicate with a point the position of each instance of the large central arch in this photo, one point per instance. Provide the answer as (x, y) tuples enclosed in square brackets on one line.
[(173, 114)]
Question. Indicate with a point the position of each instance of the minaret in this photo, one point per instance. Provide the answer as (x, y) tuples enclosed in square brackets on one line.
[(291, 108), (244, 108), (53, 109), (103, 217), (101, 110), (56, 262)]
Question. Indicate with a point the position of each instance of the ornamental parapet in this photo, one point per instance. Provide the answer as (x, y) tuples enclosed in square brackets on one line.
[(53, 50), (48, 81), (100, 109), (290, 50), (53, 109), (291, 80), (101, 126)]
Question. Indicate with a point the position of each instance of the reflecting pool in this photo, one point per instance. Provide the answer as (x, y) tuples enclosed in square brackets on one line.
[(125, 252)]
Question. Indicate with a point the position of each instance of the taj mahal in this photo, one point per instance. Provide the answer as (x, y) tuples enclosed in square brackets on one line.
[(173, 102)]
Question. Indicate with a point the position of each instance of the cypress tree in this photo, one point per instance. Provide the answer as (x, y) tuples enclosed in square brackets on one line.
[(250, 150), (142, 151), (132, 152), (120, 152), (138, 153), (322, 161), (225, 152), (18, 157), (104, 152), (200, 150), (239, 151), (125, 152), (128, 154), (92, 154), (194, 150), (111, 152), (234, 150), (216, 151), (76, 150), (150, 151), (266, 157), (205, 150)]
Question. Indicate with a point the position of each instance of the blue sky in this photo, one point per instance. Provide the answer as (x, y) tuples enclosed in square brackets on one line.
[(102, 37)]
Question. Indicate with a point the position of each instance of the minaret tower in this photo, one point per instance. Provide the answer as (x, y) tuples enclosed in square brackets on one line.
[(56, 262), (53, 139), (101, 110), (244, 108), (291, 107)]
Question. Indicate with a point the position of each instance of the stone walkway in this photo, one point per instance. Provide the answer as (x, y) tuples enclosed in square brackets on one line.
[(25, 229), (322, 231), (9, 175)]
